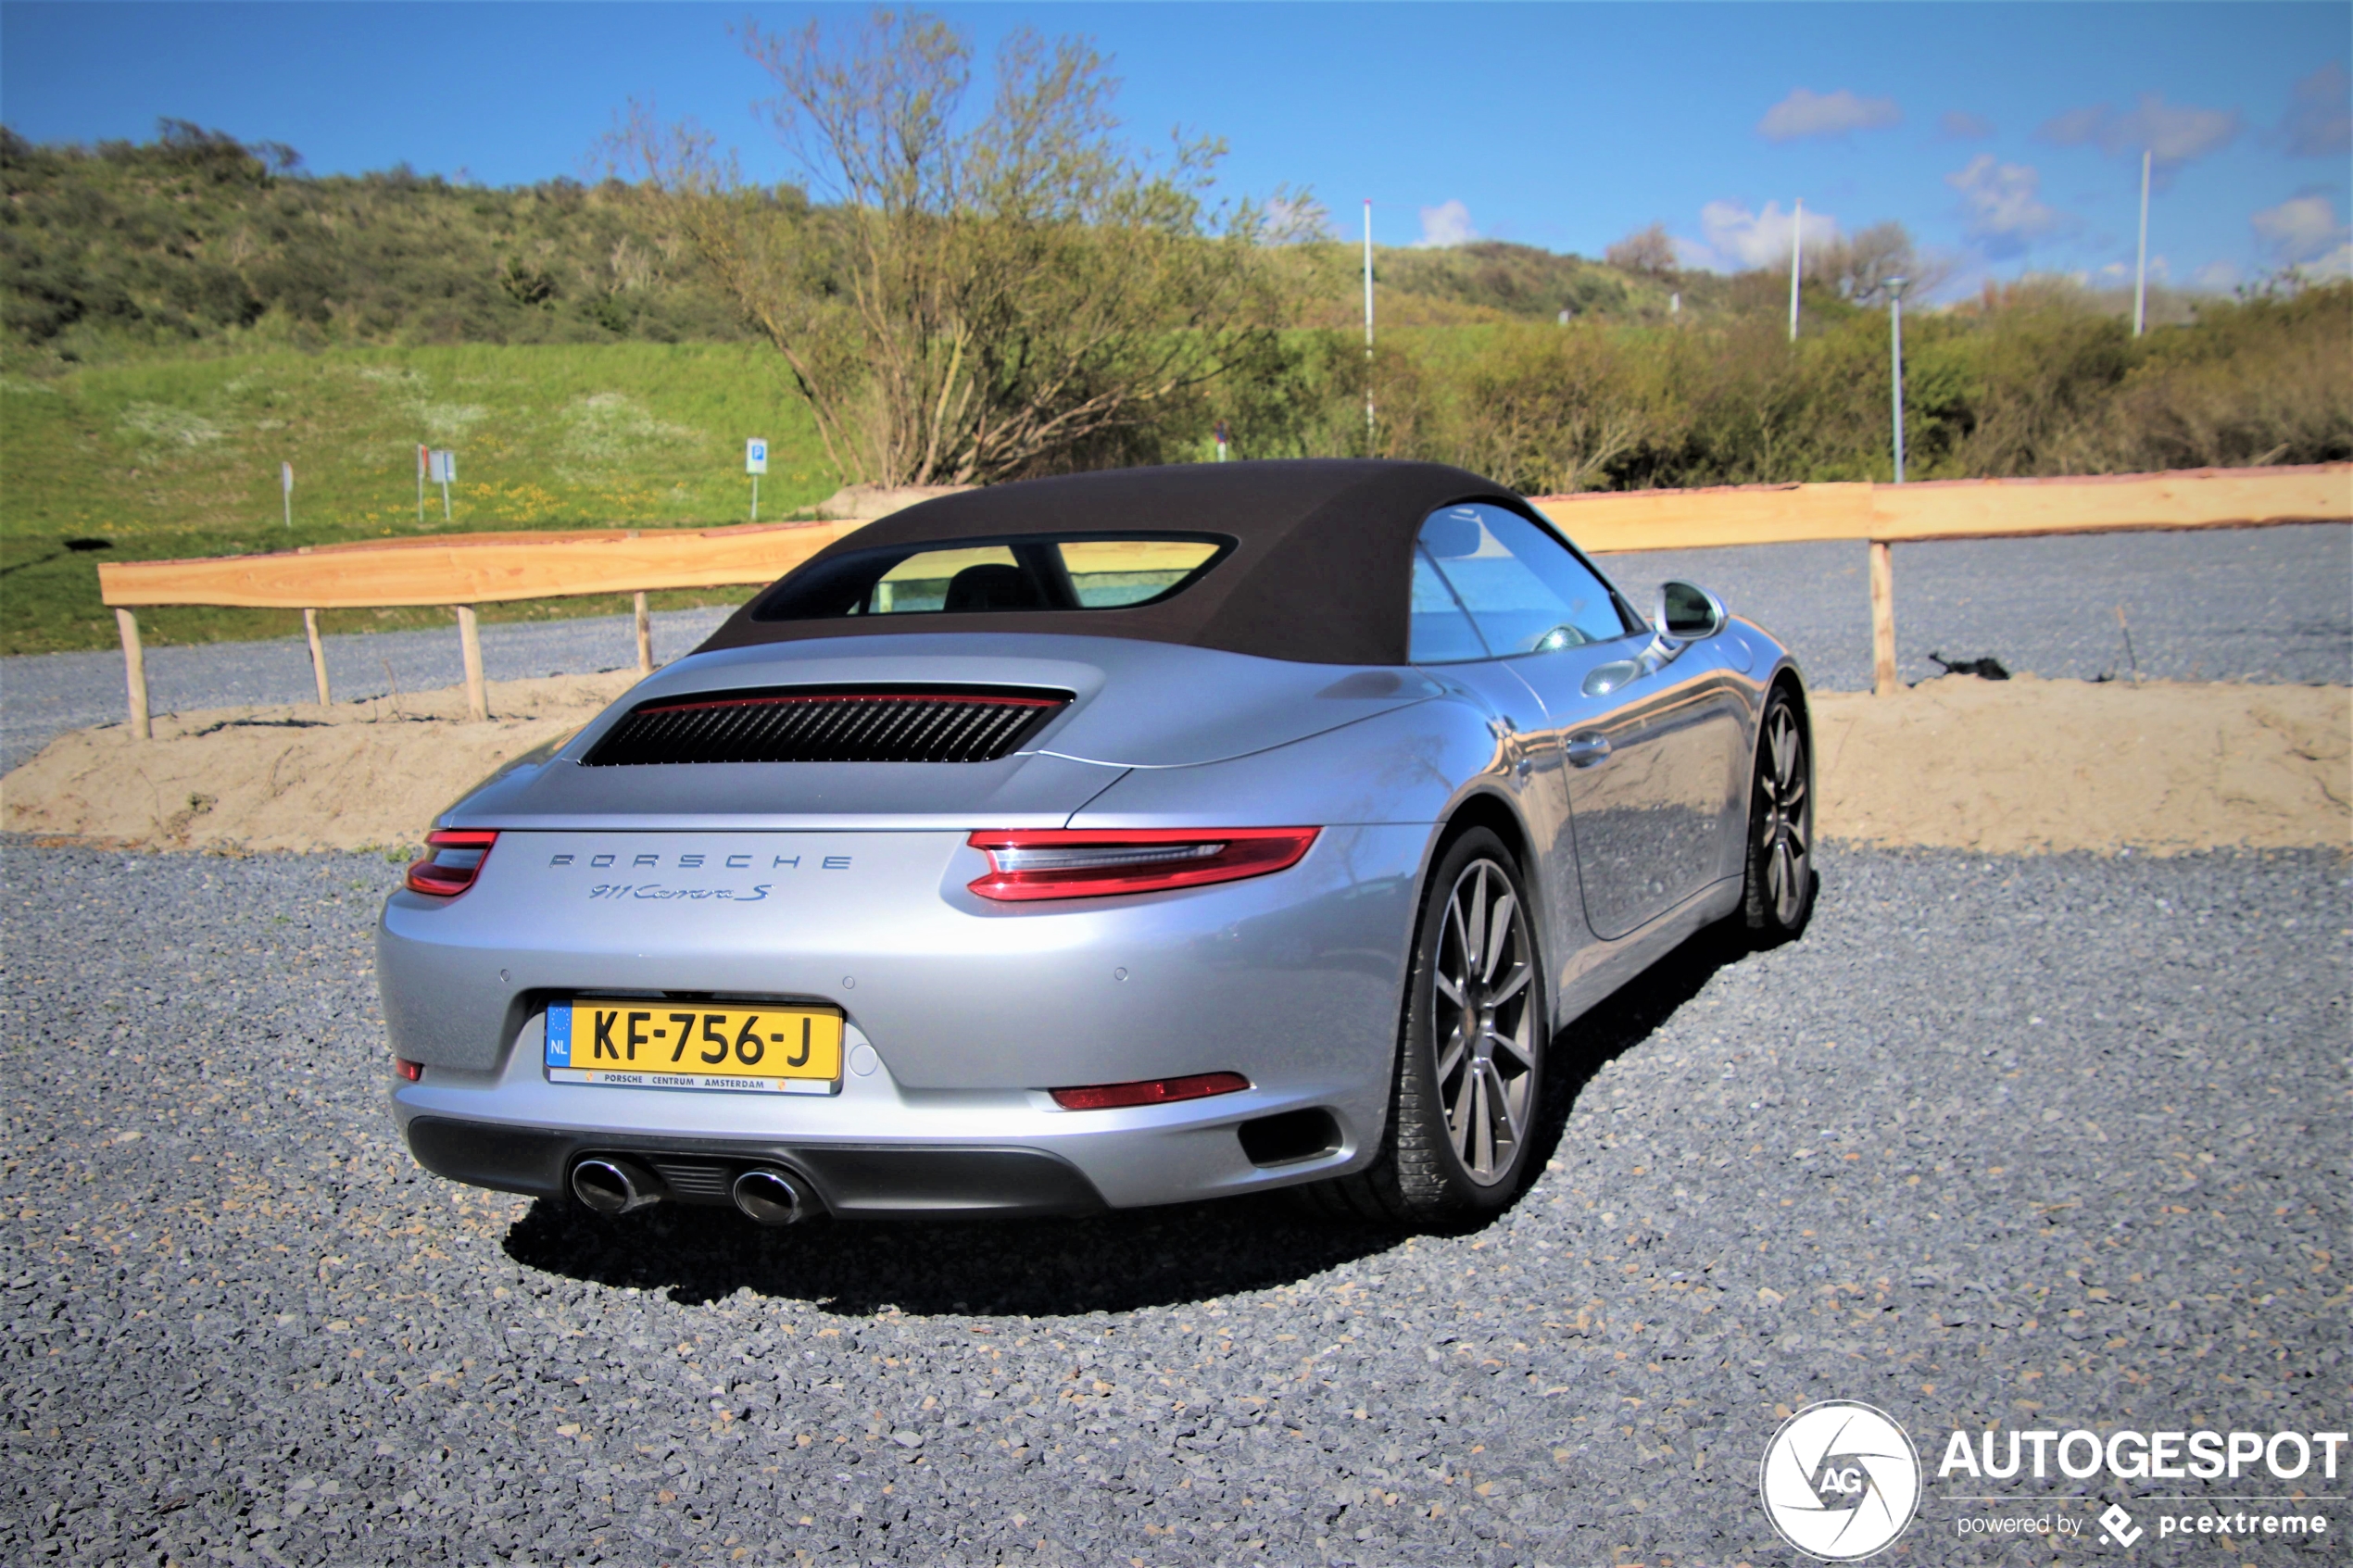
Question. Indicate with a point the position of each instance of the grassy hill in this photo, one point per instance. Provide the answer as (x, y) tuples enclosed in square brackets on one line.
[(196, 237), (178, 455)]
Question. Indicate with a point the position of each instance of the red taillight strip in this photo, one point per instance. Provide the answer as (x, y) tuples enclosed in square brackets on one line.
[(1152, 1091), (981, 699), (1033, 863), (469, 849)]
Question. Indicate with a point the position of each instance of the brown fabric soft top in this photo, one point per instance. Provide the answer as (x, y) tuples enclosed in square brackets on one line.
[(1321, 571)]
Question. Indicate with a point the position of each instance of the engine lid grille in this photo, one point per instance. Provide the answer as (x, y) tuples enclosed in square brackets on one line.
[(828, 724)]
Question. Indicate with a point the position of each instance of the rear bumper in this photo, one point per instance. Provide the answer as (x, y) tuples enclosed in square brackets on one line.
[(848, 1181), (961, 1017)]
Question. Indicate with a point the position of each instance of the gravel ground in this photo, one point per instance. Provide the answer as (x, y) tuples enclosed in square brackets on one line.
[(2061, 1141), (2259, 604)]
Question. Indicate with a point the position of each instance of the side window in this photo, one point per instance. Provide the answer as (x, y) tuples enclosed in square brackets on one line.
[(1440, 631), (1525, 593)]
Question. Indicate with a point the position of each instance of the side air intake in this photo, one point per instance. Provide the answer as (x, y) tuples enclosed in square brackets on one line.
[(828, 724)]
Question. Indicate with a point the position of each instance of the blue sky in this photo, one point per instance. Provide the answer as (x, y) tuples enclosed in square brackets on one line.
[(2006, 138)]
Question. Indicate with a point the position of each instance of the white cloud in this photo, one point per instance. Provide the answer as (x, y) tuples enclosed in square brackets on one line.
[(2004, 204), (1737, 237), (1448, 223), (2174, 132), (2216, 275), (2301, 231), (2337, 263), (1962, 125), (2319, 124), (1806, 113)]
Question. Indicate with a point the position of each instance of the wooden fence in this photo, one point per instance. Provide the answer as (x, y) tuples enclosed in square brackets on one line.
[(1607, 523), (464, 570), (459, 570)]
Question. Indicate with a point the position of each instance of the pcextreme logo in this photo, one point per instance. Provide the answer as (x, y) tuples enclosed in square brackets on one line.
[(1840, 1480)]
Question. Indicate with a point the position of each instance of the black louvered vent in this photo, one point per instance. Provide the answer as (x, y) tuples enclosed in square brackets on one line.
[(827, 725)]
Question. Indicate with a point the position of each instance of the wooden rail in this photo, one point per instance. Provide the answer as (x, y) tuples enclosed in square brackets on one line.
[(1608, 522), (459, 570), (464, 570)]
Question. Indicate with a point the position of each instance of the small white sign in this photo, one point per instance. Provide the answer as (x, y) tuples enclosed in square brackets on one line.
[(755, 456), (442, 467)]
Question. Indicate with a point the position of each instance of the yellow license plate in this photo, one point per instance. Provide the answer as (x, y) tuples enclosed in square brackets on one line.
[(640, 1043)]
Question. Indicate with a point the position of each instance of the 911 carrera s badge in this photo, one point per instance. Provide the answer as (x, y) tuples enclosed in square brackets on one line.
[(612, 891), (691, 861)]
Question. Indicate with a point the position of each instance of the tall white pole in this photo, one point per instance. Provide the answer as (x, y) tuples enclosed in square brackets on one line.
[(1368, 327), (1895, 348), (1796, 253), (2141, 272)]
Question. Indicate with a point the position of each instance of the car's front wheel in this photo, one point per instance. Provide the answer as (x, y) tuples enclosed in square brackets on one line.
[(1470, 1056)]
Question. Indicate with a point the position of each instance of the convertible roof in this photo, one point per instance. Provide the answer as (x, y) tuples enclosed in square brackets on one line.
[(1321, 572)]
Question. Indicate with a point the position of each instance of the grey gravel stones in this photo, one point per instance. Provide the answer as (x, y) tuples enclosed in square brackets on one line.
[(2063, 1135)]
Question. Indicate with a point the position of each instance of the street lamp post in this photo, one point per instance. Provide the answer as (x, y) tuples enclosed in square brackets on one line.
[(1895, 287)]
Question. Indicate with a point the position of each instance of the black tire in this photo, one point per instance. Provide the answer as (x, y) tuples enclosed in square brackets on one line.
[(1457, 1144), (1778, 897)]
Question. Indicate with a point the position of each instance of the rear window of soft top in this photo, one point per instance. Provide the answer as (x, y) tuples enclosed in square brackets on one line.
[(1029, 572)]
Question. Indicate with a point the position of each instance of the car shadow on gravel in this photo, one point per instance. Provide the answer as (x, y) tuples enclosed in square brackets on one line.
[(1170, 1256), (1628, 1017)]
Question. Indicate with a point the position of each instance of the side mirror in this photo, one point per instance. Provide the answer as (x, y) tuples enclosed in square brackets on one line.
[(1687, 613)]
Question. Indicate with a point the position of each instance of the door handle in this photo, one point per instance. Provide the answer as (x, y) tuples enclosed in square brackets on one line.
[(1583, 751)]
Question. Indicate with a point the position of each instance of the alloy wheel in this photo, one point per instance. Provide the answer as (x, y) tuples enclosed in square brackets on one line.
[(1484, 1024)]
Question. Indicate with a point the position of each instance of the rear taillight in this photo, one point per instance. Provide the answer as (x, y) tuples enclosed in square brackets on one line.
[(1152, 1091), (1085, 863), (414, 1072), (452, 859)]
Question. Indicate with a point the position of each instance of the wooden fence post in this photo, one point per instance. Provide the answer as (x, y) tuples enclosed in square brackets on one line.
[(645, 638), (134, 669), (470, 641), (1884, 680), (318, 655)]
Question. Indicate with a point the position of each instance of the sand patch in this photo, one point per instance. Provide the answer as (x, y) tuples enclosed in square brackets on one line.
[(354, 776), (2022, 765), (2013, 767)]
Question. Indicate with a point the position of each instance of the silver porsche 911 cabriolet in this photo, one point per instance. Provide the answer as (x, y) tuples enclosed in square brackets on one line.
[(1100, 841)]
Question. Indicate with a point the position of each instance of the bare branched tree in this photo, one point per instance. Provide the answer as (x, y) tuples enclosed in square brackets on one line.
[(1858, 266), (1648, 251), (983, 291)]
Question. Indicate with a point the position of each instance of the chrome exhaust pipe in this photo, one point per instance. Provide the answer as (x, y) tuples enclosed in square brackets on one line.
[(767, 1196), (614, 1187)]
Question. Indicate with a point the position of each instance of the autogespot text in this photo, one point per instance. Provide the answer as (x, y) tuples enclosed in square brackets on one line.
[(2135, 1456)]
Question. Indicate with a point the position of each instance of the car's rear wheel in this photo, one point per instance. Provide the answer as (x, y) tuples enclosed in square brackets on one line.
[(1778, 897), (1470, 1055)]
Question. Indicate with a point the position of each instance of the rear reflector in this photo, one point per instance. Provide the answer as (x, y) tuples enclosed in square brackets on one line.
[(413, 1071), (1027, 863), (1153, 1091), (452, 859)]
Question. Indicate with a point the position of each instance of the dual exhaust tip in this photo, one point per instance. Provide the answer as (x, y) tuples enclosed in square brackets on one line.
[(614, 1187)]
